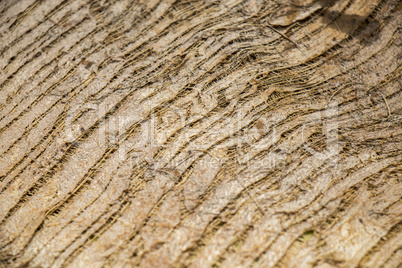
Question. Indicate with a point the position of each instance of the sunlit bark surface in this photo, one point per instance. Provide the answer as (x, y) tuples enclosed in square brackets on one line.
[(163, 133)]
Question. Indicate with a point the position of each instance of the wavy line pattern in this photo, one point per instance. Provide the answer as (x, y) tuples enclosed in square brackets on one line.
[(182, 133)]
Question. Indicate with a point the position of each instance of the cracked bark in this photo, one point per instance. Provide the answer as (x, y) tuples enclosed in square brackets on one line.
[(200, 133)]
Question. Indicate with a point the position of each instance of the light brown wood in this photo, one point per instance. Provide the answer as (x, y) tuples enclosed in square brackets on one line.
[(200, 133)]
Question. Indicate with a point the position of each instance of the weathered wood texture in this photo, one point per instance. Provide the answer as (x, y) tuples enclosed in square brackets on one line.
[(165, 133)]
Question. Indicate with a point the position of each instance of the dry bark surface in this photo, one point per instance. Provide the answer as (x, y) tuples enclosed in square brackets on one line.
[(182, 133)]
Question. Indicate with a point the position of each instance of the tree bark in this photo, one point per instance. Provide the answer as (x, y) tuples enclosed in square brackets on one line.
[(200, 133)]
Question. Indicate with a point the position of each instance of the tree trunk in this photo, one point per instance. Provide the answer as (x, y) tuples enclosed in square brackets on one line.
[(182, 133)]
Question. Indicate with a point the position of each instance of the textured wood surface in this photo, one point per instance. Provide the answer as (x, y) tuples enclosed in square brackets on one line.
[(163, 133)]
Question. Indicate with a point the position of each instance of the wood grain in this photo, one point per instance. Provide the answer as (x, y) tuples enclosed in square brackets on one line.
[(200, 133)]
